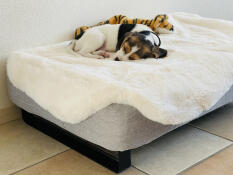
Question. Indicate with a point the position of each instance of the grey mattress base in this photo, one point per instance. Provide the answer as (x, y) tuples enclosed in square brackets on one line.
[(116, 127)]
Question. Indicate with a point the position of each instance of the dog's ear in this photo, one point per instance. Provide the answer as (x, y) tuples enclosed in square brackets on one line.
[(120, 41), (158, 52)]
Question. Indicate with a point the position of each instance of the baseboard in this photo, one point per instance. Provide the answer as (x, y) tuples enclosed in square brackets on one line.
[(9, 114)]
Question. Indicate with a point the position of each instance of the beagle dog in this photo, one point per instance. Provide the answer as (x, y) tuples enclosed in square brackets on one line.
[(128, 41)]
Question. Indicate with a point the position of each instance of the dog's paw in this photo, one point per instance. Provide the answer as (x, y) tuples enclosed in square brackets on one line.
[(101, 53), (106, 55), (99, 57)]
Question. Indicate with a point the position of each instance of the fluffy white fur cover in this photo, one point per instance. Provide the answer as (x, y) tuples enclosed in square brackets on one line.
[(193, 77)]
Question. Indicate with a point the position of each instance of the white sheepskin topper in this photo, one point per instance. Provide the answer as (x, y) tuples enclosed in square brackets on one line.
[(191, 79)]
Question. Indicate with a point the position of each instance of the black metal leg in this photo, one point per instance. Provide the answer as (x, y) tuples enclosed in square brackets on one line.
[(115, 161)]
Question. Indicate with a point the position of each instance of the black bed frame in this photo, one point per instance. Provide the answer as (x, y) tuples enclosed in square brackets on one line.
[(114, 160)]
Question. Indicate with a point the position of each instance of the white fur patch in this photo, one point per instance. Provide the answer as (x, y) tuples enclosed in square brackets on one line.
[(97, 37)]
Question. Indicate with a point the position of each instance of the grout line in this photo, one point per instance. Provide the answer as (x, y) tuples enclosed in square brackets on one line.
[(39, 162), (210, 132), (10, 121), (208, 157), (140, 170)]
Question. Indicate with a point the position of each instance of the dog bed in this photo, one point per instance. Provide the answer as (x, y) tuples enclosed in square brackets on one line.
[(116, 127), (194, 76), (123, 105)]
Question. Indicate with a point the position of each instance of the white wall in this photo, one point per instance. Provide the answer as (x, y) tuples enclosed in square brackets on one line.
[(29, 23)]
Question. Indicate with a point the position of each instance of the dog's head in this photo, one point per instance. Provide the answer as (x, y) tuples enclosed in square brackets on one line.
[(135, 45)]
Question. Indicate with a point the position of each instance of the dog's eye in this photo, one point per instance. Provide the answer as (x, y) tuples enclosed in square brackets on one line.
[(126, 48), (131, 58), (148, 55)]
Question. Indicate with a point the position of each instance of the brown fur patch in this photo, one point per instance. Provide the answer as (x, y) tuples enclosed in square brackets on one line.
[(134, 56), (127, 48)]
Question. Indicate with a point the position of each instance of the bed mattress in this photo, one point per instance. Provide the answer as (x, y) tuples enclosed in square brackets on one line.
[(116, 127)]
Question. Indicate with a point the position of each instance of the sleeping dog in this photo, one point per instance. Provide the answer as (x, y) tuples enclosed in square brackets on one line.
[(129, 41)]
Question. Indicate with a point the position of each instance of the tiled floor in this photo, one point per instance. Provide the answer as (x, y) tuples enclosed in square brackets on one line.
[(177, 151), (9, 114), (71, 163), (202, 147), (219, 122), (219, 164), (22, 146)]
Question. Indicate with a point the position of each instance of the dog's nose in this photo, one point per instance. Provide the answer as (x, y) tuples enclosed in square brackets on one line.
[(162, 53), (116, 59)]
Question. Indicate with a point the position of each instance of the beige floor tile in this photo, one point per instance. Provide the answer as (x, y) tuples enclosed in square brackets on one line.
[(71, 163), (10, 113), (218, 122), (22, 146), (176, 151), (219, 164)]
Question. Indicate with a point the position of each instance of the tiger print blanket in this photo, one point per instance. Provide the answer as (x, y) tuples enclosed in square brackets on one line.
[(158, 22)]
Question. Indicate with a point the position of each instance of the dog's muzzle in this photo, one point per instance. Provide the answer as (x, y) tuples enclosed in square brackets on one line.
[(162, 53), (117, 59)]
